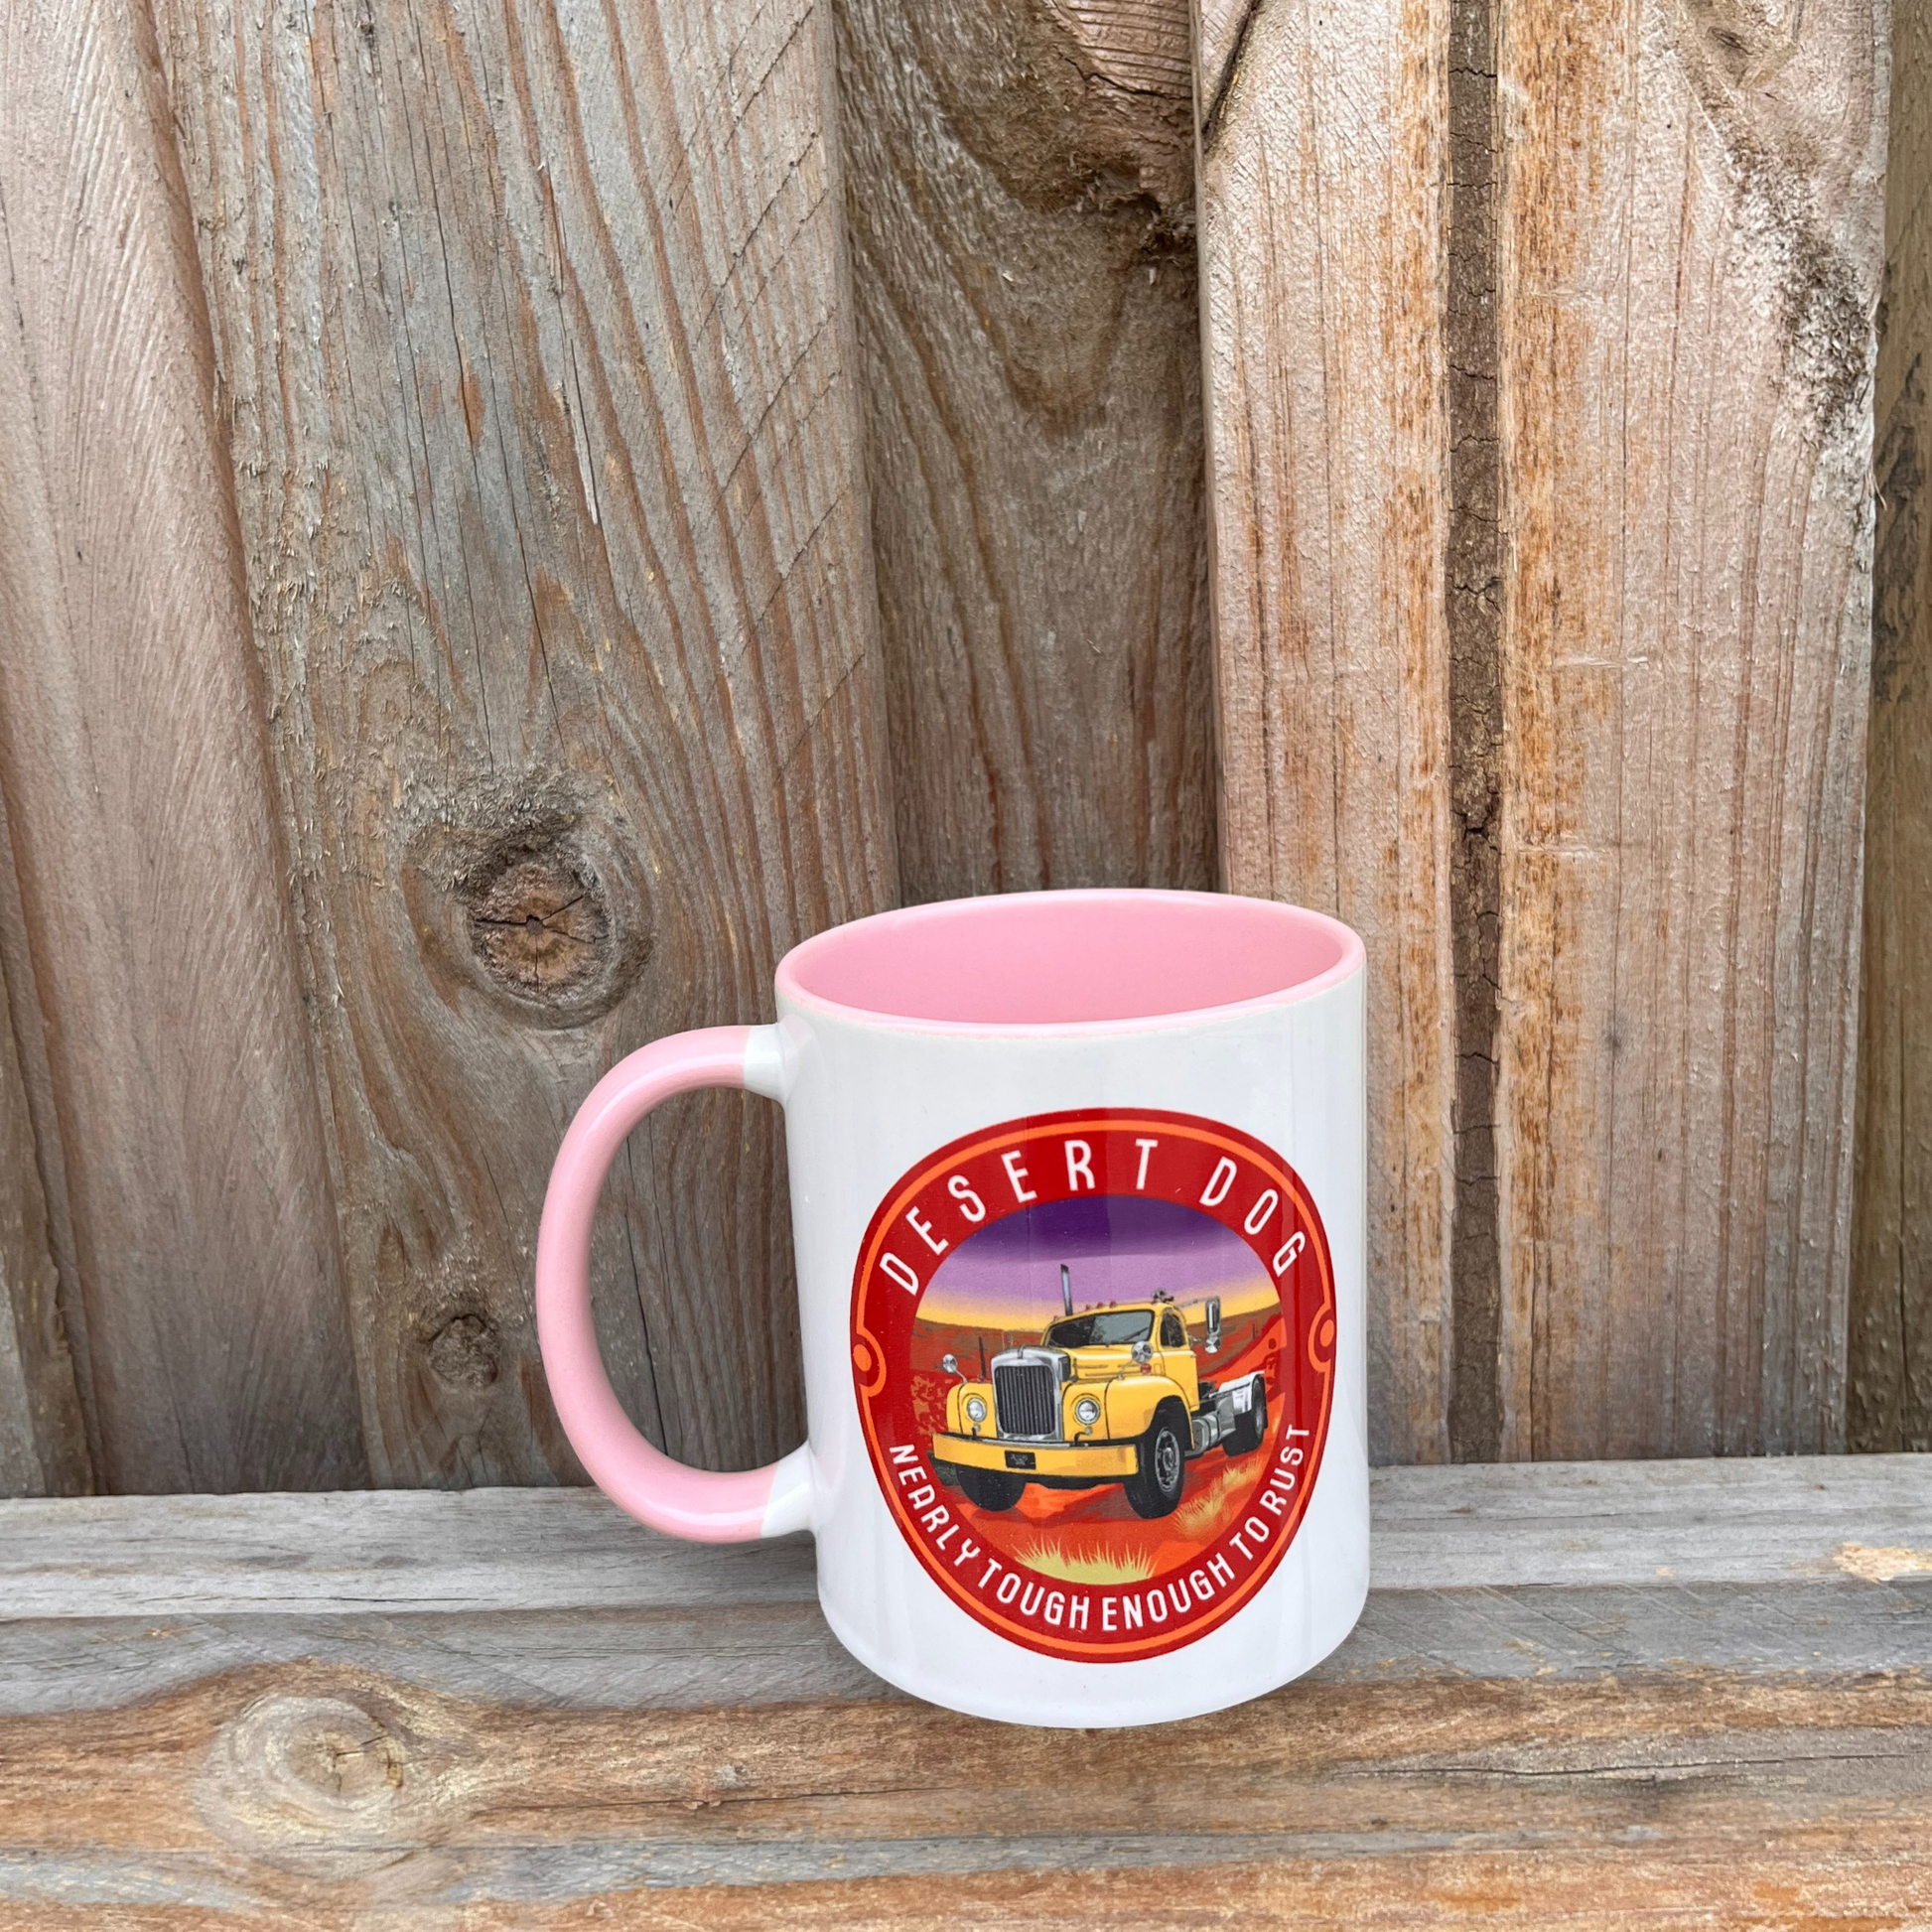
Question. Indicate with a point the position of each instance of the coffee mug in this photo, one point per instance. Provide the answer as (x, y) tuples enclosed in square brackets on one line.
[(1078, 1197)]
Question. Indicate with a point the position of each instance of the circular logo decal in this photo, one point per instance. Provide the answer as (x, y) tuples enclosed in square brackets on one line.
[(1094, 1354)]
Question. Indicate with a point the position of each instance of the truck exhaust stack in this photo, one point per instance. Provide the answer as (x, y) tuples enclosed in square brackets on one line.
[(1066, 1288)]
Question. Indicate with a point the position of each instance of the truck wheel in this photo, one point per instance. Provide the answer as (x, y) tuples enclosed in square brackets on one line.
[(1155, 1486), (991, 1488), (1245, 1438)]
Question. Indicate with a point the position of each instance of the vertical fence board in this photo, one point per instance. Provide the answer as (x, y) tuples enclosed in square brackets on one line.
[(1690, 256), (150, 963), (43, 1434), (1021, 194), (1889, 1400), (1322, 150), (534, 340)]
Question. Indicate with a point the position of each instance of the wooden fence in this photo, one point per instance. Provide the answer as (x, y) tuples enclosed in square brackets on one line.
[(512, 515)]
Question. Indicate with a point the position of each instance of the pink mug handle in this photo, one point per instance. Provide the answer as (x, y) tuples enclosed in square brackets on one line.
[(642, 1480)]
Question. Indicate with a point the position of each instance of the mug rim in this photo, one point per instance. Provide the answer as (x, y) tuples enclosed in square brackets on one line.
[(1350, 958)]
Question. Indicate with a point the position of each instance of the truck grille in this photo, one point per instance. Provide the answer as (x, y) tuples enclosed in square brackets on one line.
[(1024, 1395)]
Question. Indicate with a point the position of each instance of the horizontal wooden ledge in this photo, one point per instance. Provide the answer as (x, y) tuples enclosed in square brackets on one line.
[(1581, 1695), (1466, 1527), (553, 1596)]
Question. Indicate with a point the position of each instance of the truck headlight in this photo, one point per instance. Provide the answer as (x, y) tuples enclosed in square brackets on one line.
[(975, 1409), (1086, 1412)]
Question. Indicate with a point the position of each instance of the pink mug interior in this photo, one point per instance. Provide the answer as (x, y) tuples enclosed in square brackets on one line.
[(1069, 960)]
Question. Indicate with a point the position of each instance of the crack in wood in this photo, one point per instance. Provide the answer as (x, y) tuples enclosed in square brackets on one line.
[(1210, 128), (1474, 591)]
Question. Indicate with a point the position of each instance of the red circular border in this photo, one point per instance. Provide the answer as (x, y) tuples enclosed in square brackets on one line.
[(1306, 1286)]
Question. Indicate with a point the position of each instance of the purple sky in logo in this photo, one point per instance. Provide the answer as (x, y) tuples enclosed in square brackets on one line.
[(1120, 1249)]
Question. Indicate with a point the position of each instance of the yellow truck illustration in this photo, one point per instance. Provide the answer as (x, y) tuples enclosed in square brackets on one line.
[(1112, 1394)]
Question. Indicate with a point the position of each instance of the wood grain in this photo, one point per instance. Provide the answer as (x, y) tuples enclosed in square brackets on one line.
[(146, 939), (1838, 1876), (1448, 1528), (1889, 1398), (1689, 251), (522, 1597), (42, 1432), (1741, 1736), (535, 347), (312, 1790), (1019, 188), (1323, 153)]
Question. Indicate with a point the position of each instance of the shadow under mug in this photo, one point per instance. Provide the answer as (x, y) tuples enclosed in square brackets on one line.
[(1078, 1195)]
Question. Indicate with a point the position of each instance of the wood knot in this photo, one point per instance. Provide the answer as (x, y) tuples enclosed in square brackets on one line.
[(534, 902), (1779, 142), (1745, 41), (330, 1787), (463, 1352), (539, 926)]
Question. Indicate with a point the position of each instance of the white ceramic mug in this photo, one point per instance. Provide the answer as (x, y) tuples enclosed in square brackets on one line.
[(1079, 1201)]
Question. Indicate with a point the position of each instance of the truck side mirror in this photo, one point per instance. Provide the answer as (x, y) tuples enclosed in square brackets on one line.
[(1213, 1324), (950, 1363)]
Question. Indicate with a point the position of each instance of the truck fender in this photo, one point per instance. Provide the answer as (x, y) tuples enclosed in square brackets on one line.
[(1132, 1401), (957, 1423)]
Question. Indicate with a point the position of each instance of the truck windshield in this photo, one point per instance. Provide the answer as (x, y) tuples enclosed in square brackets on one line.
[(1105, 1328)]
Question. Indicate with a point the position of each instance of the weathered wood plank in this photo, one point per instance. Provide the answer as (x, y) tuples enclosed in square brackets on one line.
[(535, 353), (1534, 1570), (305, 1789), (1889, 1399), (1613, 1051), (756, 1653), (146, 939), (42, 1432), (1514, 1526), (1019, 185), (1322, 152), (1836, 1876), (1639, 1746), (1690, 253)]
